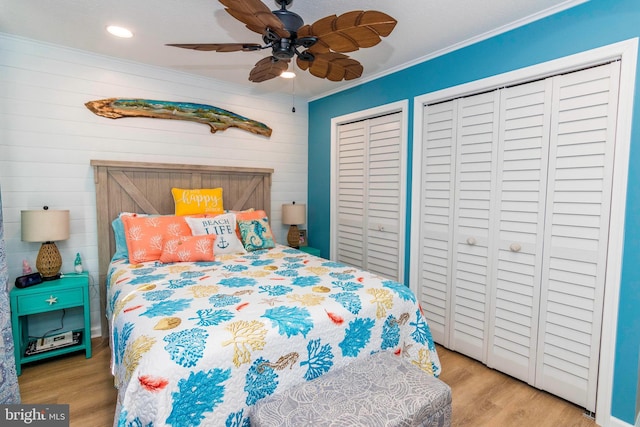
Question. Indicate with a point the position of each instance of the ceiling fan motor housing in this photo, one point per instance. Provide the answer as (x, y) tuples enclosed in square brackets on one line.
[(290, 20), (283, 49)]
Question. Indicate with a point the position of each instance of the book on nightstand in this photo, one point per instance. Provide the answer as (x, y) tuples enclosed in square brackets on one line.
[(53, 342)]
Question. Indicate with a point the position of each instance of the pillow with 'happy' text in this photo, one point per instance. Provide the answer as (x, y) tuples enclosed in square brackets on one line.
[(197, 201)]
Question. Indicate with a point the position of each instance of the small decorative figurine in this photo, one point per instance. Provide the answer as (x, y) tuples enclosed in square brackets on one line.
[(26, 268), (77, 264)]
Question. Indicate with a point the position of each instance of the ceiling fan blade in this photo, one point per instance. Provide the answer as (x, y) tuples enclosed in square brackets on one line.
[(267, 68), (255, 15), (349, 31), (220, 47), (332, 66)]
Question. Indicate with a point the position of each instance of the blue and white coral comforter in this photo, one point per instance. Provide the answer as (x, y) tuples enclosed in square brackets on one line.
[(200, 343)]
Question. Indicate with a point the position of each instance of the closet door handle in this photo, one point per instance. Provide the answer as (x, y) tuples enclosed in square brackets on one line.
[(471, 241), (515, 247)]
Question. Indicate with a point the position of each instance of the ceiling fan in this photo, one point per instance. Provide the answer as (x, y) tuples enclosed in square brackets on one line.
[(319, 47)]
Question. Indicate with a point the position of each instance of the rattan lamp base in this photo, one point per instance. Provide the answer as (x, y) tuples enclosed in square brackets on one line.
[(293, 237), (49, 261)]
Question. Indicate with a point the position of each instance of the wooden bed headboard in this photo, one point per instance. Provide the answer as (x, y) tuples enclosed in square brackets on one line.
[(146, 188)]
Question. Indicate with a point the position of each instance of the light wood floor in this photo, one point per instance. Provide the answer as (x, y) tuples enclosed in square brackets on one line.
[(481, 397)]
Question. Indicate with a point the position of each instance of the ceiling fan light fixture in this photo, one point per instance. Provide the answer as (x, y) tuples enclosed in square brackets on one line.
[(288, 74), (119, 31)]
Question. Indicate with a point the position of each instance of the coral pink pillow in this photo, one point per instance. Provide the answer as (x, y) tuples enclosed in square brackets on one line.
[(250, 214), (188, 248), (145, 235)]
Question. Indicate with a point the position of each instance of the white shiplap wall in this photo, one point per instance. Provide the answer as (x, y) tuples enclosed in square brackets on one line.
[(48, 137)]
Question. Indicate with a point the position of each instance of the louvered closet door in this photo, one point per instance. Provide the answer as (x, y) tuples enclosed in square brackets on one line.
[(436, 229), (384, 204), (577, 219), (369, 202), (477, 132), (521, 193), (351, 192)]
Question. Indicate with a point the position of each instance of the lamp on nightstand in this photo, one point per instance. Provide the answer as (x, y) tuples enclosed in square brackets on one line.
[(46, 226), (294, 215)]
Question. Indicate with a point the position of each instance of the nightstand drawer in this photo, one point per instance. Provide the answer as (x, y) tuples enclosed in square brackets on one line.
[(52, 300)]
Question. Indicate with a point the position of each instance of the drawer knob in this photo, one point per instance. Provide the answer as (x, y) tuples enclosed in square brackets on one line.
[(515, 247), (52, 300), (471, 241)]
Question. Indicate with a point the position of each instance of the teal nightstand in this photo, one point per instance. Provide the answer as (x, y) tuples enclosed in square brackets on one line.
[(310, 250), (71, 292)]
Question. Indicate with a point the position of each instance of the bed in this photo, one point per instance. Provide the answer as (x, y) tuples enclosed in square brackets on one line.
[(201, 342)]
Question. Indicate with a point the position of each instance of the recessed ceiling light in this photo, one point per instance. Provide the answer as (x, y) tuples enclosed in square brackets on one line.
[(287, 74), (119, 31)]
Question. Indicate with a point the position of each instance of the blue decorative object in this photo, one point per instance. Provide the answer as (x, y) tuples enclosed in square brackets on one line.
[(216, 118), (77, 264)]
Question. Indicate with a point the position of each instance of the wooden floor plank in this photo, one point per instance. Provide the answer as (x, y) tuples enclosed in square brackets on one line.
[(482, 397)]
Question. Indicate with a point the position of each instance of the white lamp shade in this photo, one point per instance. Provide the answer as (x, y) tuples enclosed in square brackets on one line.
[(44, 225), (294, 214)]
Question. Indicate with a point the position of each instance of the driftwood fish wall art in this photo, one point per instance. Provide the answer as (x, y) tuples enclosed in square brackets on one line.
[(216, 118)]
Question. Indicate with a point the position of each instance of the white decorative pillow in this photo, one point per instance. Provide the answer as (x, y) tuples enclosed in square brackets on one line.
[(224, 226)]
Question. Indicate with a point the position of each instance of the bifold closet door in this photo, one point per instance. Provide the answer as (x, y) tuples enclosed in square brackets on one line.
[(517, 258), (458, 176), (369, 195), (351, 192), (436, 221), (474, 198), (576, 232), (385, 205)]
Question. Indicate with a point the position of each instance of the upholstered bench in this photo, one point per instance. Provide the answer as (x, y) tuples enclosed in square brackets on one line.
[(382, 390)]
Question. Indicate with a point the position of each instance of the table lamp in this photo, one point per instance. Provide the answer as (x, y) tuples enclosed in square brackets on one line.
[(46, 226), (294, 215)]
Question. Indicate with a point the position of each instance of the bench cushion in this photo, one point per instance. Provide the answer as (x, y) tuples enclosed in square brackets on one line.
[(382, 390)]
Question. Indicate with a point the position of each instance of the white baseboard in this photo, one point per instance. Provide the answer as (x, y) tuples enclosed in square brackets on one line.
[(614, 422), (96, 332)]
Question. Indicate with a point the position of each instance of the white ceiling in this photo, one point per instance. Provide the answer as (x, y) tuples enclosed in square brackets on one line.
[(425, 28)]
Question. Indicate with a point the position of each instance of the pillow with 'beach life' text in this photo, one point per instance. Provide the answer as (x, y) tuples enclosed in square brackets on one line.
[(224, 226)]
